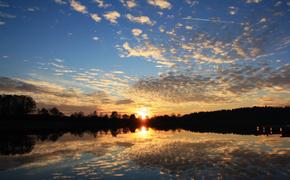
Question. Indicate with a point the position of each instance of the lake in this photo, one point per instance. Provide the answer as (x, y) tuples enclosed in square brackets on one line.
[(144, 153)]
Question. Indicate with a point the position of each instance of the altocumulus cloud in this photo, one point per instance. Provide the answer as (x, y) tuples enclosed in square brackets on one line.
[(162, 4), (129, 3), (140, 19), (124, 101), (77, 6), (8, 84), (95, 17), (199, 57), (147, 51), (102, 4), (49, 94), (136, 32), (221, 86), (112, 16)]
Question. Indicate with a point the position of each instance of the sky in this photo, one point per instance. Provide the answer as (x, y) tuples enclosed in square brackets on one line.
[(162, 55)]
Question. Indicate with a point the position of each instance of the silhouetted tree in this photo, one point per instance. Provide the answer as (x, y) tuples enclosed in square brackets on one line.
[(125, 116), (15, 105), (55, 112), (132, 117), (105, 116), (43, 112), (78, 115), (93, 114), (114, 115), (29, 104)]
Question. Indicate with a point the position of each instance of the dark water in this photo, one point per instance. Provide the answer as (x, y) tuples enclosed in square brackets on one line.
[(145, 154)]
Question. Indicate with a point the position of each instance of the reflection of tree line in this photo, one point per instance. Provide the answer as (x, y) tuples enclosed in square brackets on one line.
[(22, 143)]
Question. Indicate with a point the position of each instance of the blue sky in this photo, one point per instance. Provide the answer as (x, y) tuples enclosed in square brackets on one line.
[(163, 55)]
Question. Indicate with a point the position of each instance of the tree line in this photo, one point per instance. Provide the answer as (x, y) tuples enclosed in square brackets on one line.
[(234, 120), (20, 105)]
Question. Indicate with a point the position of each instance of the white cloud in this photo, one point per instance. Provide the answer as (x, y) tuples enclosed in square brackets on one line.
[(60, 1), (58, 60), (118, 72), (33, 9), (233, 10), (140, 19), (78, 7), (192, 2), (112, 16), (161, 28), (102, 4), (6, 15), (188, 27), (253, 1), (95, 38), (147, 51), (162, 4), (4, 4), (136, 32), (129, 3), (262, 20), (2, 23), (96, 17), (201, 57)]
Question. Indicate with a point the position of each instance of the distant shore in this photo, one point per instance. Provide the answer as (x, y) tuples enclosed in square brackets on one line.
[(254, 120)]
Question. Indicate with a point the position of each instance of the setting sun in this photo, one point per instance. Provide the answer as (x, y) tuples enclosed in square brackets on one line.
[(143, 113)]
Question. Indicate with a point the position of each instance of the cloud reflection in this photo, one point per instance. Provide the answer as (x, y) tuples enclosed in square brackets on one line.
[(174, 153)]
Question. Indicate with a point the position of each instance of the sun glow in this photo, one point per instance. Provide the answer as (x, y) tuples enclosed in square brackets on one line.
[(143, 113)]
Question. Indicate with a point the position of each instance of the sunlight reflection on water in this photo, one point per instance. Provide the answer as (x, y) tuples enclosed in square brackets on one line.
[(152, 154), (143, 132)]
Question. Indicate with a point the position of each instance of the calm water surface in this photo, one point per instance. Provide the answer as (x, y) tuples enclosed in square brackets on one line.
[(147, 153)]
